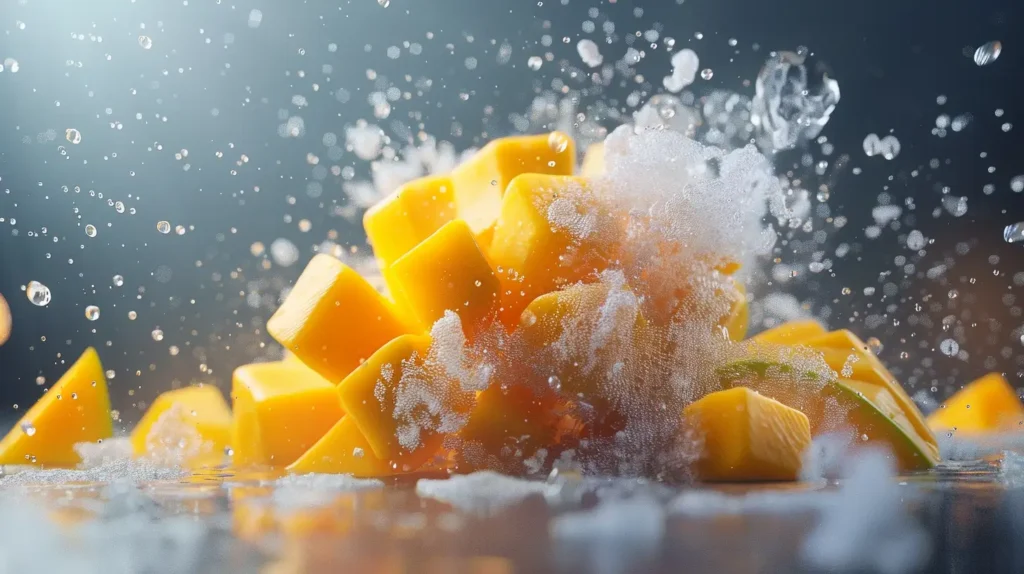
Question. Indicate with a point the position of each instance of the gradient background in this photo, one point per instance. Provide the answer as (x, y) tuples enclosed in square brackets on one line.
[(892, 60)]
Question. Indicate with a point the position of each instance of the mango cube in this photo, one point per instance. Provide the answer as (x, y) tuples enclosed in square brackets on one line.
[(280, 410), (191, 425), (748, 437), (447, 272), (75, 410), (988, 404), (369, 397), (411, 214), (343, 450), (333, 319), (481, 181), (550, 234), (593, 161)]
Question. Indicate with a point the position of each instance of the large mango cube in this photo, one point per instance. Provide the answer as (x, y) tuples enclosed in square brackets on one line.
[(370, 396), (408, 216), (343, 450), (280, 410), (446, 272), (190, 426), (988, 404), (747, 437), (551, 233), (481, 181), (75, 410), (333, 319)]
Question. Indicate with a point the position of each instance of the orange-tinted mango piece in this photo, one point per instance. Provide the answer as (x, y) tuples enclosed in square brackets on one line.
[(988, 404), (446, 272), (791, 332), (536, 248), (333, 319), (508, 424), (195, 421), (747, 437), (280, 410), (75, 410), (343, 450), (481, 181), (369, 398), (411, 214), (593, 161)]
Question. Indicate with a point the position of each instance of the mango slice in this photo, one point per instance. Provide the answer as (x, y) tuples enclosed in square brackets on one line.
[(343, 450), (333, 319), (446, 272), (791, 332), (194, 422), (837, 348), (536, 248), (481, 181), (369, 398), (75, 410), (5, 321), (747, 437), (836, 406), (593, 161), (281, 409), (411, 214), (988, 404)]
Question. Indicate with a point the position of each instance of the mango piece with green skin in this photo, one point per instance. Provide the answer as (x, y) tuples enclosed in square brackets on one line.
[(75, 410), (836, 406)]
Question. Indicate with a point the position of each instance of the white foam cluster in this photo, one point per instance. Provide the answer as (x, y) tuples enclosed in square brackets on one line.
[(171, 442), (684, 70), (117, 470)]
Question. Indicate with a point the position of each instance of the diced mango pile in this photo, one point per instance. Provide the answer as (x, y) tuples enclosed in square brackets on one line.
[(479, 243)]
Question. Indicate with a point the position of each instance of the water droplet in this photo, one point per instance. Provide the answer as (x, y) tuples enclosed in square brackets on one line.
[(558, 142), (27, 428), (384, 3), (90, 230), (146, 42), (228, 451), (74, 136), (555, 383), (119, 206), (132, 315), (158, 335), (988, 53), (1014, 233), (874, 345), (37, 293), (92, 312), (707, 73), (534, 63), (118, 280), (163, 226), (949, 347)]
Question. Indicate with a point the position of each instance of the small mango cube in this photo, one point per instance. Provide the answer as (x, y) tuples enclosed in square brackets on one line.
[(280, 410), (333, 319), (593, 161), (75, 410), (748, 437), (481, 181), (446, 272), (369, 397), (988, 404), (408, 216), (192, 421), (343, 450), (550, 234), (791, 332)]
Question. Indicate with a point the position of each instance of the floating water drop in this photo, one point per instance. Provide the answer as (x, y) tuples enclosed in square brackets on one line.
[(90, 230), (27, 428), (589, 53), (794, 97), (118, 280), (119, 206), (988, 53), (534, 63), (38, 294), (1014, 233), (157, 334), (72, 135), (384, 3), (255, 18), (163, 227), (949, 347), (12, 65), (707, 73), (92, 312), (558, 142), (146, 42)]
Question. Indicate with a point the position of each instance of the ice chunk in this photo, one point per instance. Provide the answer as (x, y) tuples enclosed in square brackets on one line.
[(794, 98)]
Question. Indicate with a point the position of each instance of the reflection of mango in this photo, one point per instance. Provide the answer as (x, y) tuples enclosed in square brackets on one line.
[(988, 404), (198, 414), (76, 409), (281, 409), (747, 437), (836, 406), (333, 319)]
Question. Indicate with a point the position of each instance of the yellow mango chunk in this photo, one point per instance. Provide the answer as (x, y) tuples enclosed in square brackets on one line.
[(343, 450), (791, 332), (192, 421), (535, 255), (447, 272), (736, 320), (988, 404), (837, 405), (368, 396), (280, 410), (747, 437), (838, 346), (411, 214), (75, 410), (333, 319), (481, 181), (593, 161)]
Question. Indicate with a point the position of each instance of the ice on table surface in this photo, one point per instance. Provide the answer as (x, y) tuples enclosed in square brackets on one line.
[(614, 536), (482, 493), (106, 462)]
